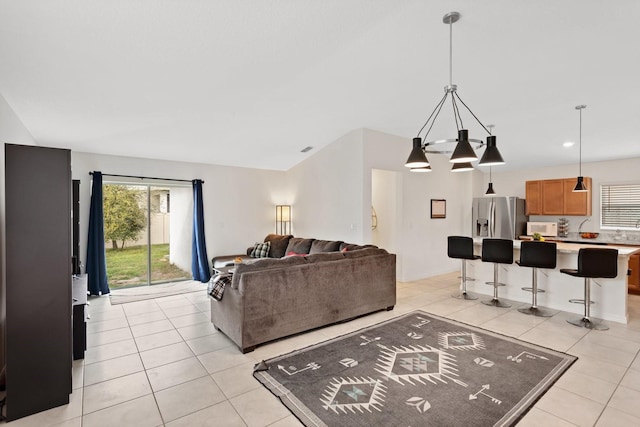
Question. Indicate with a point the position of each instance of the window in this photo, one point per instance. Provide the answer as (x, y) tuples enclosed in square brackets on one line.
[(620, 206)]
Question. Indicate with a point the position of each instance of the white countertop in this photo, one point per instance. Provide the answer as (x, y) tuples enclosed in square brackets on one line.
[(575, 247)]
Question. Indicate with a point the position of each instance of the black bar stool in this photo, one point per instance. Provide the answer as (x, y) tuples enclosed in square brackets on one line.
[(461, 247), (536, 255), (592, 263), (497, 251)]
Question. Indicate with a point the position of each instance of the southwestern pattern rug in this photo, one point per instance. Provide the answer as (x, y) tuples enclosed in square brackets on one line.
[(414, 370)]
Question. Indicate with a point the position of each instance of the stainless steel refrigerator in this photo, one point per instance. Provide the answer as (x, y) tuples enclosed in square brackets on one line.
[(499, 217)]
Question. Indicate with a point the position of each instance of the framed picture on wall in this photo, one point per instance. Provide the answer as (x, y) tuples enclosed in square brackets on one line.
[(438, 208)]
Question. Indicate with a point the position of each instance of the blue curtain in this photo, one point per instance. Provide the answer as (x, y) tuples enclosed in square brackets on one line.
[(199, 260), (96, 261)]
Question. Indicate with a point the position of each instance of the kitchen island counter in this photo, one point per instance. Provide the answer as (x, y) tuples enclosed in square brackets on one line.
[(610, 297), (627, 239)]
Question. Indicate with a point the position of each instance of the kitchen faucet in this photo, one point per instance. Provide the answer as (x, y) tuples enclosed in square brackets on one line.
[(581, 224)]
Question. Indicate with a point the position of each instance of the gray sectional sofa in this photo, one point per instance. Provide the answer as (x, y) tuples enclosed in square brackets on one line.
[(271, 298)]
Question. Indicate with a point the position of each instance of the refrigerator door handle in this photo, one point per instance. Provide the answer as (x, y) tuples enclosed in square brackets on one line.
[(490, 220), (493, 219)]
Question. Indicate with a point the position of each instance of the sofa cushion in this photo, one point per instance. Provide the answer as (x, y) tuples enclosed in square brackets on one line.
[(324, 256), (261, 250), (344, 247), (279, 244), (324, 246), (357, 253), (269, 263), (299, 245), (351, 247)]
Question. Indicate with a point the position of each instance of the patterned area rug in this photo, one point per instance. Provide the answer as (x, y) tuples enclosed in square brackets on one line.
[(417, 369)]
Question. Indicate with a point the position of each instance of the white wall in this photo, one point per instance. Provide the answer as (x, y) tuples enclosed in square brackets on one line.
[(238, 202), (330, 193), (422, 242), (332, 197), (384, 199), (12, 131), (326, 192), (608, 172)]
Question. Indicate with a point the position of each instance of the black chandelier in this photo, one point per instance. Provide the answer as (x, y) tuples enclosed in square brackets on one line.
[(464, 152)]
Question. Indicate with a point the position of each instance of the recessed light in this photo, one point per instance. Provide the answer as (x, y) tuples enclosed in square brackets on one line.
[(568, 144)]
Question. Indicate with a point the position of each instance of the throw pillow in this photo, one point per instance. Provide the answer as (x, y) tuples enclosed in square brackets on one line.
[(299, 245), (261, 250), (279, 244), (295, 254)]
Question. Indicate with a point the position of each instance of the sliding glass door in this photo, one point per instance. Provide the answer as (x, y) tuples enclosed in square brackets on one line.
[(146, 234)]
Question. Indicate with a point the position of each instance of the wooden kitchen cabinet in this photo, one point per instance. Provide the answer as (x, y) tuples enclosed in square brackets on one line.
[(533, 194), (553, 197), (577, 203), (634, 273), (556, 197)]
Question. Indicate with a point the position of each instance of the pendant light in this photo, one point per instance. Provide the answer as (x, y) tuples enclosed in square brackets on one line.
[(464, 151), (490, 190), (417, 159), (423, 169), (462, 167), (580, 187)]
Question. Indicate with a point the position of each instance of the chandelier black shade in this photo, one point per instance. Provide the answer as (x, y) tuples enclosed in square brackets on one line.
[(464, 151), (421, 170), (491, 156), (462, 167), (417, 158)]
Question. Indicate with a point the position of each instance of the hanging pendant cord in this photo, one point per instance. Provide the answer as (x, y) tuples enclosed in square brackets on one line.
[(438, 106), (469, 110), (434, 119), (580, 147), (456, 113)]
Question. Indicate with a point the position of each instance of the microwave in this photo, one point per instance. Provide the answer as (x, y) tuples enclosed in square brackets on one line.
[(549, 229)]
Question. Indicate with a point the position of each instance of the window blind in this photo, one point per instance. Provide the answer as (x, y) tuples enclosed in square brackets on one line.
[(620, 206)]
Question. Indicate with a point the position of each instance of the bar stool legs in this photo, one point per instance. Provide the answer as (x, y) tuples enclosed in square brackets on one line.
[(586, 319), (495, 302), (463, 294), (534, 310)]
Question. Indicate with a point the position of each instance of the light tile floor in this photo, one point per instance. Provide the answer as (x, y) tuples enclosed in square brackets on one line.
[(161, 363)]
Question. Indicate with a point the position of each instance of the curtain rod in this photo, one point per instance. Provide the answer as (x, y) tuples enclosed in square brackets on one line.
[(145, 177)]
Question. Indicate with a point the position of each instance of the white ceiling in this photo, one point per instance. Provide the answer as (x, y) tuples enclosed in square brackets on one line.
[(251, 83)]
